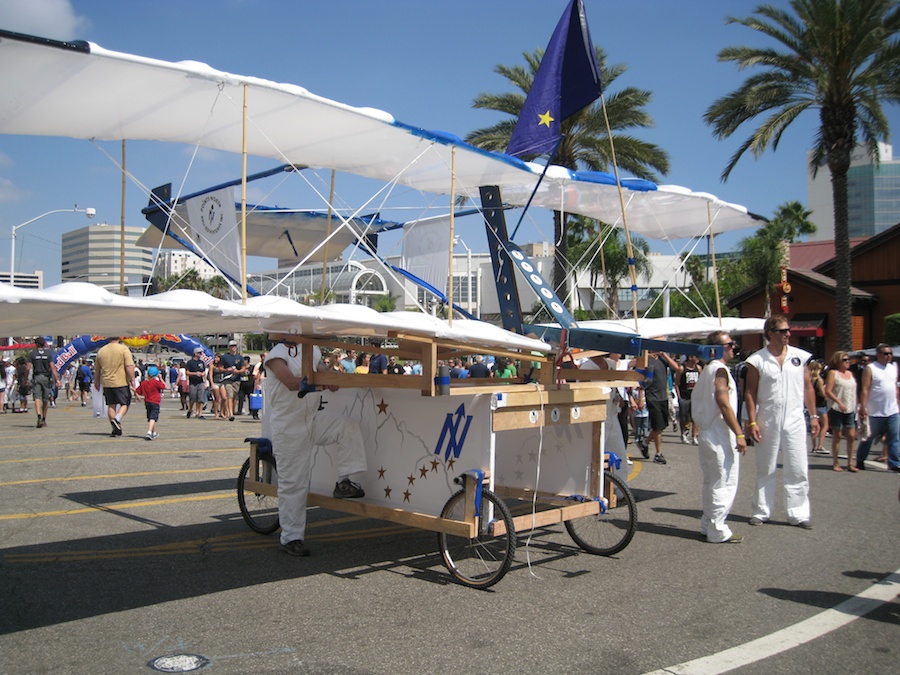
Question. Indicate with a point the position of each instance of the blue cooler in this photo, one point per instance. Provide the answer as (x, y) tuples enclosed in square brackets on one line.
[(256, 401)]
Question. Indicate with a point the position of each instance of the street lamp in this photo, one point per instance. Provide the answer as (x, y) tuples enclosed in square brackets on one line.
[(90, 213)]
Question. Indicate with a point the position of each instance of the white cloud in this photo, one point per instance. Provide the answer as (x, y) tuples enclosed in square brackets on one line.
[(54, 19), (9, 192)]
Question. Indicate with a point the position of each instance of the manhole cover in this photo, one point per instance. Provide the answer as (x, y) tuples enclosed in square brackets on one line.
[(178, 663)]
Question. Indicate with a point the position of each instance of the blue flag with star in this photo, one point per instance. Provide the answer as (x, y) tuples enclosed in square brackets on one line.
[(567, 80)]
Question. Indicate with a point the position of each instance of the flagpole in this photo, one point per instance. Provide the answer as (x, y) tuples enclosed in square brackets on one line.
[(327, 238), (536, 186), (630, 250), (452, 223), (244, 202), (712, 250)]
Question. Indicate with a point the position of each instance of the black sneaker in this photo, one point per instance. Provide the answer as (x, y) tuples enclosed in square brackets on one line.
[(645, 449), (116, 426), (659, 459), (295, 548), (189, 413), (347, 489)]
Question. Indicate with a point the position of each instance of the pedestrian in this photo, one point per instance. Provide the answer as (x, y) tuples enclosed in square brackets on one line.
[(377, 362), (23, 384), (687, 380), (216, 387), (721, 441), (479, 369), (115, 372), (44, 375), (349, 361), (84, 379), (656, 391), (152, 388), (245, 386), (778, 387), (818, 383), (184, 388), (173, 379), (394, 368), (234, 367), (296, 426), (840, 392), (880, 401), (3, 386), (362, 363), (197, 376)]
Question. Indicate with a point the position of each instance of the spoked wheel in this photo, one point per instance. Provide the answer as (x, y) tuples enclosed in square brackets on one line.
[(259, 511), (610, 532), (484, 560)]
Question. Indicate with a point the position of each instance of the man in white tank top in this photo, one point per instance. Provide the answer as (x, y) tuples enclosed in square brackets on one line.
[(880, 400), (721, 441)]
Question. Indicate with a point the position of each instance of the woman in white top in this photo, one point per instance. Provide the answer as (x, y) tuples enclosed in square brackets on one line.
[(840, 391)]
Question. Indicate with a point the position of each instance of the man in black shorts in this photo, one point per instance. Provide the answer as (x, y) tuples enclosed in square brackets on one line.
[(42, 367), (656, 389)]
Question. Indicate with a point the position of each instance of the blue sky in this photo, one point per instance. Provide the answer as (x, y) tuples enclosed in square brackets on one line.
[(423, 61)]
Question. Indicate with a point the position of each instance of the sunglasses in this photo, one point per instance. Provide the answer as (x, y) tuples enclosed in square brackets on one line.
[(728, 344), (886, 353), (783, 331)]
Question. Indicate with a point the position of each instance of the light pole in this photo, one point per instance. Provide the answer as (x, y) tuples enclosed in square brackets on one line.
[(90, 213), (458, 240)]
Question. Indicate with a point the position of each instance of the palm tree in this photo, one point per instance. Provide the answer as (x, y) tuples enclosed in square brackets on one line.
[(601, 248), (765, 253), (585, 143), (840, 57), (218, 287)]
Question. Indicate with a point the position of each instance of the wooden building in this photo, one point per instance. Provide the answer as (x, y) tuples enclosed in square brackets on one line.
[(875, 275)]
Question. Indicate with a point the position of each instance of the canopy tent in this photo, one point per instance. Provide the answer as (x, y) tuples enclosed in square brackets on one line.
[(678, 327), (85, 308), (81, 90)]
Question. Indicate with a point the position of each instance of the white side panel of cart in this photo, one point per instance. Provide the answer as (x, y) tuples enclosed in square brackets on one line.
[(415, 445)]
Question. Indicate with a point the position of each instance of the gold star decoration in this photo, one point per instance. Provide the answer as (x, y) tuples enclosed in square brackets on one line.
[(382, 408), (450, 463), (381, 473), (411, 479), (424, 472), (406, 494), (387, 492), (545, 119), (434, 464)]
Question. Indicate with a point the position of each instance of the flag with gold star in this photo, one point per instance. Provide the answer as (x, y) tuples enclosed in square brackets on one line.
[(567, 80)]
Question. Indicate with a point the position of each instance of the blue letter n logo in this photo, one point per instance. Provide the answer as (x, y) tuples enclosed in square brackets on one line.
[(455, 437)]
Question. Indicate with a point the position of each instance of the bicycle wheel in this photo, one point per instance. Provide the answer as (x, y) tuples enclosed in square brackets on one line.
[(484, 560), (259, 511), (610, 532)]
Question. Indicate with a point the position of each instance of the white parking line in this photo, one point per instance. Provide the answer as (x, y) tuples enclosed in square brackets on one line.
[(792, 636)]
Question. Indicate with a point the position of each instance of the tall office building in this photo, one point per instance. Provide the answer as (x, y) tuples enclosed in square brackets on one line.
[(94, 254), (873, 195)]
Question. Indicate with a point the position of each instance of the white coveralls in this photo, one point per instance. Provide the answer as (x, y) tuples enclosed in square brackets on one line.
[(781, 398), (296, 426), (718, 454)]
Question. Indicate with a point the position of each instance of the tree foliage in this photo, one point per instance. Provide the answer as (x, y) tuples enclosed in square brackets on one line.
[(585, 143), (838, 57)]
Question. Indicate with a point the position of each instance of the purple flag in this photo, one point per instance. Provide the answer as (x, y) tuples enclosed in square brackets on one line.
[(567, 80)]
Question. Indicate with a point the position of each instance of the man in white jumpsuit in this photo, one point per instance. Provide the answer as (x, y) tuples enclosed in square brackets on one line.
[(714, 411), (778, 386), (296, 426)]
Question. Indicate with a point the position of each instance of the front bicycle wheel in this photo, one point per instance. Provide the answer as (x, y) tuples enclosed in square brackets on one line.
[(482, 561), (610, 532), (260, 511)]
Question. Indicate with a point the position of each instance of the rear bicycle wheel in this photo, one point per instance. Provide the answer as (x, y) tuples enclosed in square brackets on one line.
[(479, 562), (610, 532), (260, 511)]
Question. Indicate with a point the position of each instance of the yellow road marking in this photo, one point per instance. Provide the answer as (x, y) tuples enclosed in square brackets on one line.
[(118, 507), (118, 475), (95, 455)]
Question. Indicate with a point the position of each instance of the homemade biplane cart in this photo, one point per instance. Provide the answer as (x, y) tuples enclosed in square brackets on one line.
[(447, 457)]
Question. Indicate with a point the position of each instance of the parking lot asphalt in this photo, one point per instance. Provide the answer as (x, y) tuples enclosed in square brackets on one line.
[(117, 551)]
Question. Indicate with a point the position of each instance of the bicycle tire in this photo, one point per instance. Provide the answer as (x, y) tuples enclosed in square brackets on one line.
[(478, 562), (260, 511), (610, 532)]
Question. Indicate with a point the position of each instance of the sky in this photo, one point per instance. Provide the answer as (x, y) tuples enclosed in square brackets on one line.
[(423, 61)]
